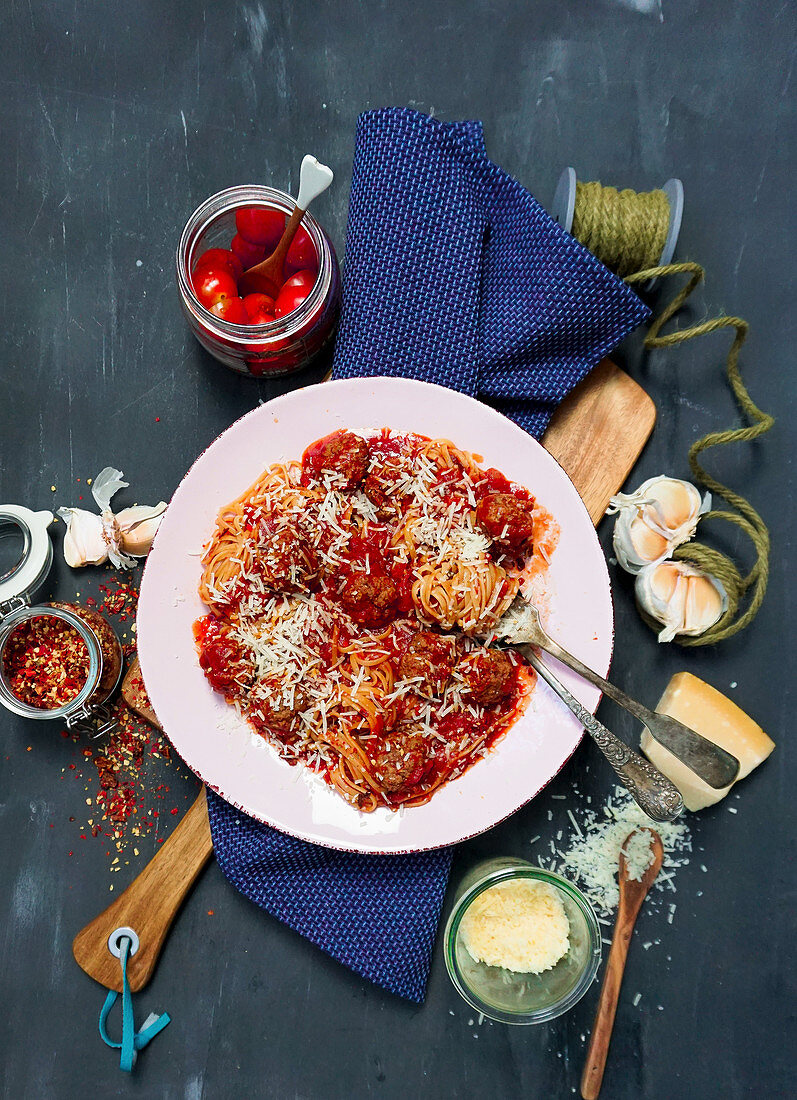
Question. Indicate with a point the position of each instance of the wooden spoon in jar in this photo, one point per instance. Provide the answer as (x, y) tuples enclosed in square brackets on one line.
[(632, 894), (266, 277)]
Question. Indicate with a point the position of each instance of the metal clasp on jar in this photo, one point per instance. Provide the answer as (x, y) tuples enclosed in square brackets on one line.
[(96, 721)]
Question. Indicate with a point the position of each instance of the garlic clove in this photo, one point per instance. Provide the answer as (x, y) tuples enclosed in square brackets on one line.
[(676, 501), (705, 601), (138, 527), (683, 599), (84, 541), (653, 521), (648, 545)]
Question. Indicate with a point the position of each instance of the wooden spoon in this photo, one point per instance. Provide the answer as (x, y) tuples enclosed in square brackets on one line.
[(266, 277), (150, 903), (632, 894)]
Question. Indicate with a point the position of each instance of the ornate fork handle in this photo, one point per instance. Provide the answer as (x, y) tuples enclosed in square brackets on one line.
[(653, 792)]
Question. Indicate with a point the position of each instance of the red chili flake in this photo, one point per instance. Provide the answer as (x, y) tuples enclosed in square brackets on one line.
[(175, 811), (157, 420), (71, 853)]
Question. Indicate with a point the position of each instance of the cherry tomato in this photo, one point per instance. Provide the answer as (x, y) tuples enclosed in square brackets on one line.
[(220, 259), (260, 224), (232, 310), (294, 291), (302, 280), (274, 362), (302, 252), (259, 308), (246, 253), (211, 285)]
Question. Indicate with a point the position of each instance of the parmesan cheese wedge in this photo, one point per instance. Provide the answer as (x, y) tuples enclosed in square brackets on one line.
[(710, 713)]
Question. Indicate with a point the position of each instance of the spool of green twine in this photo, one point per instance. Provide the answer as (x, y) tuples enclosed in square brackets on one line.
[(634, 234)]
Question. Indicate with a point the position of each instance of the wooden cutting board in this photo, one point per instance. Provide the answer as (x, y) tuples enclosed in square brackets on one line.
[(596, 435)]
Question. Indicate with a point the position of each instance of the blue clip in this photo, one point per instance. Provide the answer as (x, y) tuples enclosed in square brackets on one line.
[(132, 1040)]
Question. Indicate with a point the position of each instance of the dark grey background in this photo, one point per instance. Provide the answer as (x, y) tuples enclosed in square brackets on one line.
[(116, 120)]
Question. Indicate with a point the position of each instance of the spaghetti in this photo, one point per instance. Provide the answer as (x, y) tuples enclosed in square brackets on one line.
[(345, 594)]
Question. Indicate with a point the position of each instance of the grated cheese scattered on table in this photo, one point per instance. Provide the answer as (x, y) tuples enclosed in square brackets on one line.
[(592, 850)]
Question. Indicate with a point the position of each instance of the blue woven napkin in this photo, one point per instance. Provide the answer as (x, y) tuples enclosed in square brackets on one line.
[(455, 275), (377, 915)]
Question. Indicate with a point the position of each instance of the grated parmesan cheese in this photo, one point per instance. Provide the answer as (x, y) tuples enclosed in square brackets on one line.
[(591, 858), (520, 925), (638, 854)]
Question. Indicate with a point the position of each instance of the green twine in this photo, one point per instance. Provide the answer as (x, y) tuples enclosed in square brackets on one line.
[(626, 231), (622, 228)]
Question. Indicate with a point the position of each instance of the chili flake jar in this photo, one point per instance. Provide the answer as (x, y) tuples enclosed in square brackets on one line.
[(277, 347), (57, 660)]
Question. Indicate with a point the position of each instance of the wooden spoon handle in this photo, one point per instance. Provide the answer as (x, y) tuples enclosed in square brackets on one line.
[(595, 1064), (149, 904), (314, 178), (276, 260)]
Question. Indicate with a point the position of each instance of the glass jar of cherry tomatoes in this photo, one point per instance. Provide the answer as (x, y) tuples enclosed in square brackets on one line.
[(230, 232)]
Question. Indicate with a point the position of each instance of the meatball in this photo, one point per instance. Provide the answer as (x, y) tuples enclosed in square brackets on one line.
[(403, 758), (430, 656), (507, 520), (277, 710), (370, 600), (488, 676), (344, 454), (376, 491), (287, 560)]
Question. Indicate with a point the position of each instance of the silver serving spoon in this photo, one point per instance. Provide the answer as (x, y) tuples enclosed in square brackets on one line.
[(659, 798), (521, 626)]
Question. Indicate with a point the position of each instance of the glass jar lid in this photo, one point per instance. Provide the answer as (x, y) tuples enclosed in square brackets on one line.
[(29, 566)]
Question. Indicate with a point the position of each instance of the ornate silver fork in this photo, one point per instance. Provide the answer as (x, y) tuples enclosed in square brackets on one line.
[(521, 626), (653, 792)]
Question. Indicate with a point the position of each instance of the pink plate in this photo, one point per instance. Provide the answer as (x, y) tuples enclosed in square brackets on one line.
[(220, 747)]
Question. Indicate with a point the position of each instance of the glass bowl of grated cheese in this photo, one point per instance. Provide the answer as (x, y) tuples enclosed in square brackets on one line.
[(522, 945)]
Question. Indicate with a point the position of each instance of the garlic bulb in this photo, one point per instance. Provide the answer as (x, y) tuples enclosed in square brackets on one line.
[(92, 539), (138, 527), (659, 516), (683, 598)]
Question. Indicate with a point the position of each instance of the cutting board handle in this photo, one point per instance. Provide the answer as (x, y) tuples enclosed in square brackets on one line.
[(148, 905)]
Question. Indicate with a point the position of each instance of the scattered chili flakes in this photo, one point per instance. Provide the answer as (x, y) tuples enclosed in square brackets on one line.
[(126, 788)]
